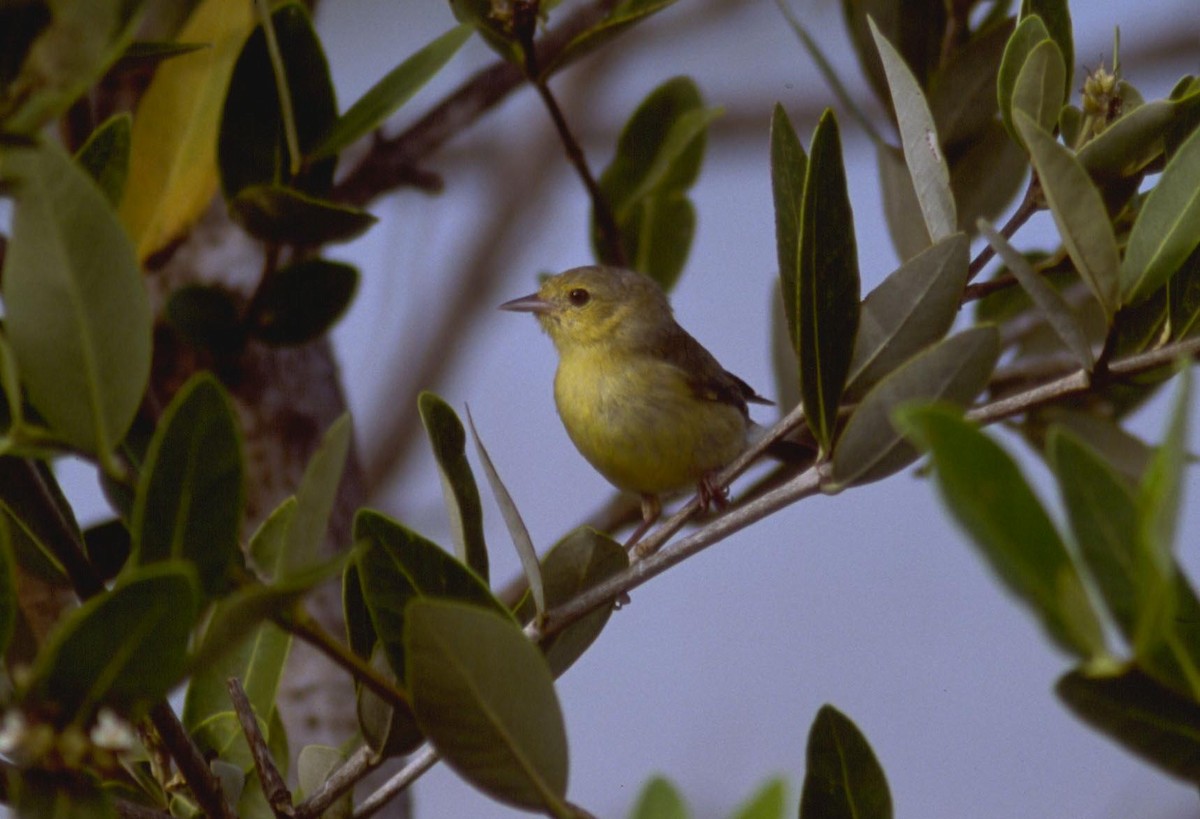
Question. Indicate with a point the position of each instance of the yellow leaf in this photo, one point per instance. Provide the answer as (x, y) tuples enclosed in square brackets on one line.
[(173, 161)]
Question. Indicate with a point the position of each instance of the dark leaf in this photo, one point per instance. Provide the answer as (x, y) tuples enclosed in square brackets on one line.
[(789, 166), (108, 547), (105, 156), (1057, 17), (449, 442), (844, 779), (251, 147), (962, 92), (124, 648), (1149, 719), (821, 297), (624, 15), (485, 697), (206, 316), (388, 730), (276, 213), (191, 492), (8, 586), (302, 301), (36, 794)]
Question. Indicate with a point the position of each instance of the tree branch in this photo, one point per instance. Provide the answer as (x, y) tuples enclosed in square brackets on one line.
[(359, 765), (273, 786), (310, 631), (420, 762), (199, 777)]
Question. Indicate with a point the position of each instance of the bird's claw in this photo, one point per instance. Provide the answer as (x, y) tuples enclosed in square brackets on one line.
[(712, 494)]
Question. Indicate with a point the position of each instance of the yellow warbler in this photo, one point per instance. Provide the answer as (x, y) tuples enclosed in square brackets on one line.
[(642, 400)]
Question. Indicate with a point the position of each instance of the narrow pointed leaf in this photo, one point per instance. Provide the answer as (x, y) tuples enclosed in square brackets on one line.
[(1167, 229), (1184, 298), (173, 167), (1039, 88), (993, 503), (660, 799), (124, 648), (911, 309), (1054, 309), (1161, 492), (821, 296), (512, 519), (276, 213), (393, 90), (1129, 144), (954, 371), (1079, 213), (314, 500), (449, 442), (844, 779), (105, 156), (962, 93), (788, 168), (76, 310), (624, 15), (190, 493), (485, 697), (918, 134), (906, 225), (1146, 717)]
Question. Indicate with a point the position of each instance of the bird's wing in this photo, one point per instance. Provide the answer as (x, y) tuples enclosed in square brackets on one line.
[(704, 374)]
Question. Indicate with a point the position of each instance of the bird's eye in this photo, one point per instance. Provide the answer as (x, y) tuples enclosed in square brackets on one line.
[(579, 297)]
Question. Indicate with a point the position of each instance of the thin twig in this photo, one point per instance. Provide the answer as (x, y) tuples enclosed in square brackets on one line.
[(360, 764), (192, 765), (1028, 207), (273, 786), (420, 762), (302, 625), (610, 234)]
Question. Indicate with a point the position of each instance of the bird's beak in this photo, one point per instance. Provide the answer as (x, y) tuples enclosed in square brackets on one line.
[(532, 303)]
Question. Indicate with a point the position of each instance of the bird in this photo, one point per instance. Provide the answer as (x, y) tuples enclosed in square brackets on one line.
[(641, 399)]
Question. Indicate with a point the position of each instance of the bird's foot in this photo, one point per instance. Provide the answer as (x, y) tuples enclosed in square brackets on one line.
[(711, 493)]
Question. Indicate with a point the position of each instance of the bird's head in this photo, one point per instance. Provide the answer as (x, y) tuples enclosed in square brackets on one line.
[(589, 305)]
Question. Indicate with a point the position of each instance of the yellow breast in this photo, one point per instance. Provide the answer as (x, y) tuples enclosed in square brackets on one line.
[(636, 420)]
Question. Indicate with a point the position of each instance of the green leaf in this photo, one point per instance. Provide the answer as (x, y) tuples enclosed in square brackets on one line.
[(844, 778), (206, 316), (449, 442), (986, 175), (1078, 212), (393, 90), (906, 225), (909, 310), (1161, 492), (660, 799), (8, 586), (1152, 721), (1038, 91), (251, 147), (789, 166), (918, 134), (105, 156), (512, 519), (124, 648), (821, 295), (153, 52), (658, 159), (388, 730), (954, 370), (915, 27), (1167, 229), (302, 301), (1053, 307), (276, 213), (360, 631), (1057, 18), (579, 561), (76, 309), (396, 565), (624, 15), (993, 503), (191, 491), (314, 500), (39, 513), (485, 697), (767, 803)]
